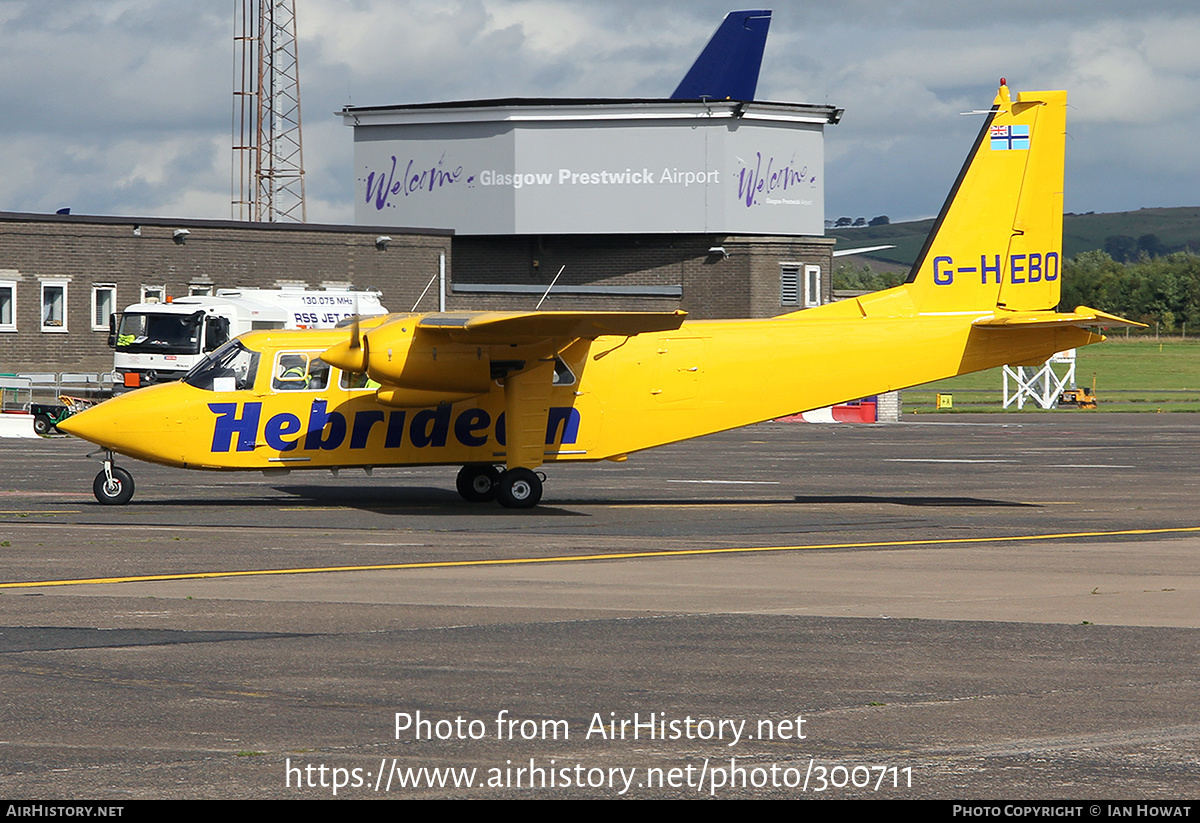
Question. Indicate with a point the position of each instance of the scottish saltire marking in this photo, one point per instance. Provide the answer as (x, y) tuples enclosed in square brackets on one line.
[(1009, 138)]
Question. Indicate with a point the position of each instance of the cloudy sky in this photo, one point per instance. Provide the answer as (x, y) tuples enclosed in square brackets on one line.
[(123, 107)]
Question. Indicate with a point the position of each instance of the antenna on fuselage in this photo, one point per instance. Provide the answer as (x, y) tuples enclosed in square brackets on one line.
[(547, 294), (427, 285)]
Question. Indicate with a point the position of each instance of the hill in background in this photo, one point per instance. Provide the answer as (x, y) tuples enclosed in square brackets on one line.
[(1122, 234)]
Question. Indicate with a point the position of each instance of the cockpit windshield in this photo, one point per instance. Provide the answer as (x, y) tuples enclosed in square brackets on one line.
[(230, 368)]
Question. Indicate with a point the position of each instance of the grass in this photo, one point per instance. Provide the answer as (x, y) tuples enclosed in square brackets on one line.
[(1135, 374)]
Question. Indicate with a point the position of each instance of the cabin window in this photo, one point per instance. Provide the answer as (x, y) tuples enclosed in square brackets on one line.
[(8, 305), (104, 303), (299, 371), (357, 382), (54, 305), (563, 376)]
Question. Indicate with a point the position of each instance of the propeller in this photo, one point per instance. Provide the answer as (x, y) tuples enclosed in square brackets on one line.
[(350, 356)]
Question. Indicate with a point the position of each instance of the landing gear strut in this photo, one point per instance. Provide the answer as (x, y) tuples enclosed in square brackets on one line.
[(113, 486)]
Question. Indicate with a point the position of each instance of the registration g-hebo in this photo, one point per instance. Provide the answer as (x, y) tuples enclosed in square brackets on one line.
[(1035, 267)]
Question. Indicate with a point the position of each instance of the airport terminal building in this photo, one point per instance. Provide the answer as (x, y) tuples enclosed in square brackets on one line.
[(715, 207)]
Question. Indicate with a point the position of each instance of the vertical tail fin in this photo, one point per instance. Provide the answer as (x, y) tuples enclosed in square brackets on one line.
[(998, 240), (728, 67)]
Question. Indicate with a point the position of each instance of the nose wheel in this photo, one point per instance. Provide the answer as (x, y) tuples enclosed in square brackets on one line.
[(113, 486)]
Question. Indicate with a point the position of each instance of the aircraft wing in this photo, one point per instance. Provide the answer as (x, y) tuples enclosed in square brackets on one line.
[(421, 333), (439, 358), (500, 327), (1082, 316)]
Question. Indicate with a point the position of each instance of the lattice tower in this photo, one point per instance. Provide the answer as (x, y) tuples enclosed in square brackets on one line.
[(268, 154)]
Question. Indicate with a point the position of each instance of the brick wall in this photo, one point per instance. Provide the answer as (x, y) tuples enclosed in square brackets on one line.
[(743, 284), (130, 252)]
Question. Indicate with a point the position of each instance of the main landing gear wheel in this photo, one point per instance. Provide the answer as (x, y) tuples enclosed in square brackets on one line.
[(477, 482), (519, 489), (116, 491)]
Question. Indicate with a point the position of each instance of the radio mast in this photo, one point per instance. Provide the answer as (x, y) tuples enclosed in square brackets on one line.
[(268, 155)]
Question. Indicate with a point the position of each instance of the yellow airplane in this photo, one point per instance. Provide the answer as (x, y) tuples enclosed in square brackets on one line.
[(502, 393)]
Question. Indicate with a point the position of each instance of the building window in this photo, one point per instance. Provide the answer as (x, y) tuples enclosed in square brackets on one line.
[(789, 284), (154, 294), (104, 304), (812, 286), (54, 305), (8, 305), (200, 290)]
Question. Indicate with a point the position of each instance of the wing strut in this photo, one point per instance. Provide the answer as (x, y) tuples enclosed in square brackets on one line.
[(526, 408)]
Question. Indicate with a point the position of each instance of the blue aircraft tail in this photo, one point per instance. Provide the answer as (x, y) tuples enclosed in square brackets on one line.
[(728, 67)]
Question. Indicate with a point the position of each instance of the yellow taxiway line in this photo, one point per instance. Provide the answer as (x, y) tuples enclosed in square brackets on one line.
[(576, 558)]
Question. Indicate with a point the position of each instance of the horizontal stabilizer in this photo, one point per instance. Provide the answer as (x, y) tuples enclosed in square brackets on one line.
[(1081, 317), (499, 327)]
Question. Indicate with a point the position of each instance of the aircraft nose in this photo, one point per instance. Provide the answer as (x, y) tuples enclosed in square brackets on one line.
[(100, 424), (139, 424)]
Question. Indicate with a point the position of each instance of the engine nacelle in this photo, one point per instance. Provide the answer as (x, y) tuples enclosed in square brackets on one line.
[(412, 363)]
